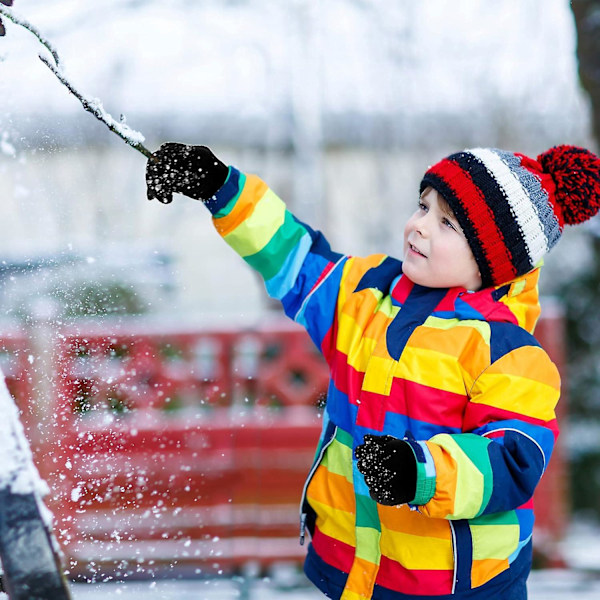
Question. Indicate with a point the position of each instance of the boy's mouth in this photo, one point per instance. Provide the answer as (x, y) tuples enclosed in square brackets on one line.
[(415, 250)]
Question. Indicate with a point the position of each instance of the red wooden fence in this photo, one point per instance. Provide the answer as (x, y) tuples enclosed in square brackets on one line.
[(187, 451)]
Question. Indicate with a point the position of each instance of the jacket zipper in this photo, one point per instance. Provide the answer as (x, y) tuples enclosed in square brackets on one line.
[(454, 551), (308, 479)]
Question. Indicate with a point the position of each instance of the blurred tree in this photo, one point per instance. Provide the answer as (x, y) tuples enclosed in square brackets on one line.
[(580, 297), (587, 23)]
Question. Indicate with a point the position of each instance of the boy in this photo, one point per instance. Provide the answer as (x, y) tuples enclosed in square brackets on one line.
[(440, 413)]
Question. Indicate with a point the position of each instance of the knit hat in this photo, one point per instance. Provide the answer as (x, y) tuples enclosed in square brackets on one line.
[(512, 208)]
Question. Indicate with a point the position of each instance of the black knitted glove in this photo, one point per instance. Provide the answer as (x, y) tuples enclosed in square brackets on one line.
[(190, 170), (389, 467), (6, 3)]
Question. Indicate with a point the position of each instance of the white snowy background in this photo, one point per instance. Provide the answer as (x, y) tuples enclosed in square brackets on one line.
[(339, 104)]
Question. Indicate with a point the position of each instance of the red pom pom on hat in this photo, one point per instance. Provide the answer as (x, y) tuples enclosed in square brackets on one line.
[(576, 173)]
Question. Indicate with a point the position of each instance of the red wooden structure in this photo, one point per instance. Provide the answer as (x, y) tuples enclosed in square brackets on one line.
[(551, 498), (187, 451), (182, 450)]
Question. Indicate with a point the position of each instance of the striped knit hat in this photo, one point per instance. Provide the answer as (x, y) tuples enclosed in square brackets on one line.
[(513, 208)]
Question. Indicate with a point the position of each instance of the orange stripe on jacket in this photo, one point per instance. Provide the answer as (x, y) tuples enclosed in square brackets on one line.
[(251, 195)]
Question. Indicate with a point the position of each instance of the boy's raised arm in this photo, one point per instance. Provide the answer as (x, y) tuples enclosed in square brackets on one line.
[(296, 262)]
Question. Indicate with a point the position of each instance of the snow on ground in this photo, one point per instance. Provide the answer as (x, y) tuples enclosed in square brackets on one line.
[(581, 550), (225, 589), (543, 585), (563, 584), (581, 546)]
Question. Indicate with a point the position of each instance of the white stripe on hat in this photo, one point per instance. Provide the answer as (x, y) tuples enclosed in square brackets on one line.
[(518, 198), (539, 196)]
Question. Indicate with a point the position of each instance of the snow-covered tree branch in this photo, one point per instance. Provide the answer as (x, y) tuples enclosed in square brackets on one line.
[(93, 105)]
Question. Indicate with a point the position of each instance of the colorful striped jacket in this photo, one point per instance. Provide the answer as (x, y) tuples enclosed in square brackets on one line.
[(458, 374)]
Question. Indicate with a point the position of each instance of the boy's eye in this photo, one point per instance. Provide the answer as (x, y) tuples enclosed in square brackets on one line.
[(422, 205), (449, 223)]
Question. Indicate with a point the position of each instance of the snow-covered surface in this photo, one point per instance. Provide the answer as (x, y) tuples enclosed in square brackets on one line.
[(581, 547), (543, 585), (563, 585), (17, 471), (581, 580)]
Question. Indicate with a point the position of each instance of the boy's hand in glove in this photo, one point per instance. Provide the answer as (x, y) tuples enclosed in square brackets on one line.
[(390, 469), (191, 170), (6, 3)]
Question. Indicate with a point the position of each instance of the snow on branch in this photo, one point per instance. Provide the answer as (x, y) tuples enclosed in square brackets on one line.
[(93, 105)]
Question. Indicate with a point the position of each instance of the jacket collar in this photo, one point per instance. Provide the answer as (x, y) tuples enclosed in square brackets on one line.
[(514, 302)]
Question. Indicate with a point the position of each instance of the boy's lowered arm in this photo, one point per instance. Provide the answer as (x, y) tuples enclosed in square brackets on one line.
[(497, 466)]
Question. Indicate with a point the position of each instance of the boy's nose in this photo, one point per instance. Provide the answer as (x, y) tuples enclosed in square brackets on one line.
[(421, 227)]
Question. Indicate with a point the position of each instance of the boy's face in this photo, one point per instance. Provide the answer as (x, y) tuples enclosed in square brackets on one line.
[(436, 252)]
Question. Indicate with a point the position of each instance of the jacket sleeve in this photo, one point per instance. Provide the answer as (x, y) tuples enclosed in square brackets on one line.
[(296, 262), (510, 429)]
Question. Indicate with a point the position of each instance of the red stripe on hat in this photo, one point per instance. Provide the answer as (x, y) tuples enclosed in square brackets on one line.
[(481, 216)]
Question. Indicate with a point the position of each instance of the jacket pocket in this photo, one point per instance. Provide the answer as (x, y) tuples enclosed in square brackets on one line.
[(494, 538)]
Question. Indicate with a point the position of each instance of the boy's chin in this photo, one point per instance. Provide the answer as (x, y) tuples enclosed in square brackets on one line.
[(431, 282), (415, 276)]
